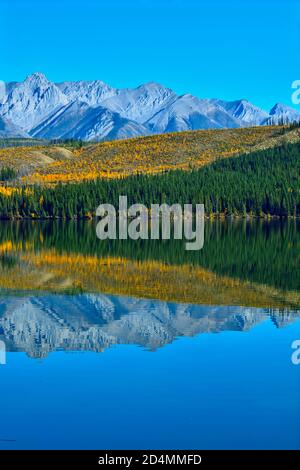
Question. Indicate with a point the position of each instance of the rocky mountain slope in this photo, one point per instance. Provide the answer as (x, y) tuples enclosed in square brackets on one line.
[(95, 111)]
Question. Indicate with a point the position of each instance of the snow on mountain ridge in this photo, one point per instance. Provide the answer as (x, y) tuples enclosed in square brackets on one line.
[(281, 113), (62, 110), (187, 112), (77, 120), (139, 104), (92, 92), (31, 101), (244, 111)]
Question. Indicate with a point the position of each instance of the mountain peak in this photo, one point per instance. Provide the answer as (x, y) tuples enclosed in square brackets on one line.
[(279, 108), (31, 101), (246, 103), (244, 111), (37, 77), (283, 109), (283, 113), (154, 87), (152, 84), (92, 92)]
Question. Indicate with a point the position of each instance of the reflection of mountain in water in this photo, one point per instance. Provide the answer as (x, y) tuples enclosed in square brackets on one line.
[(39, 325)]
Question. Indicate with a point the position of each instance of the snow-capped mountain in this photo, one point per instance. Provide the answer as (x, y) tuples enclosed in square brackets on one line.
[(79, 121), (91, 92), (244, 112), (137, 104), (29, 102), (95, 111), (282, 113), (140, 104), (189, 113)]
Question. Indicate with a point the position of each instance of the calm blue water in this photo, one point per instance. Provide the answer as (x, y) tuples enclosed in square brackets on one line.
[(90, 370), (146, 386)]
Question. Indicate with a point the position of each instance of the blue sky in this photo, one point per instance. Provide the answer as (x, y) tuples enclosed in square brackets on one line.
[(226, 49)]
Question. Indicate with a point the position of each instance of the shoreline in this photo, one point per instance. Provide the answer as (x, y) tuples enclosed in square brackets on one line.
[(221, 217)]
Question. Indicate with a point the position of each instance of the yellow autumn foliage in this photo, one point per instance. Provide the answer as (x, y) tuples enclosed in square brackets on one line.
[(153, 154)]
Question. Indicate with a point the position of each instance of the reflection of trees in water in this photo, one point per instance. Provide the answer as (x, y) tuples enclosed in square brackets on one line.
[(8, 261), (258, 251)]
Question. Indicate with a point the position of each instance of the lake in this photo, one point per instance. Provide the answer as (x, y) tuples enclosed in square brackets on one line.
[(143, 345)]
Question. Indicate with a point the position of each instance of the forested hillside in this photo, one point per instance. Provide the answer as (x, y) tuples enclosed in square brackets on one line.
[(263, 183), (73, 161)]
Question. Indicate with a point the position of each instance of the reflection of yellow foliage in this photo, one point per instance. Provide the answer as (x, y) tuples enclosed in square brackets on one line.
[(6, 247), (9, 190), (50, 270), (10, 247), (6, 191)]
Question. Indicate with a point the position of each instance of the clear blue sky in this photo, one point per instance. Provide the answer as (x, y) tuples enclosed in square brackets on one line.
[(226, 49)]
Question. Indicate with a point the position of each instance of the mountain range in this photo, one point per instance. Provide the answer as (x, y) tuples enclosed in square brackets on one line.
[(94, 111)]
